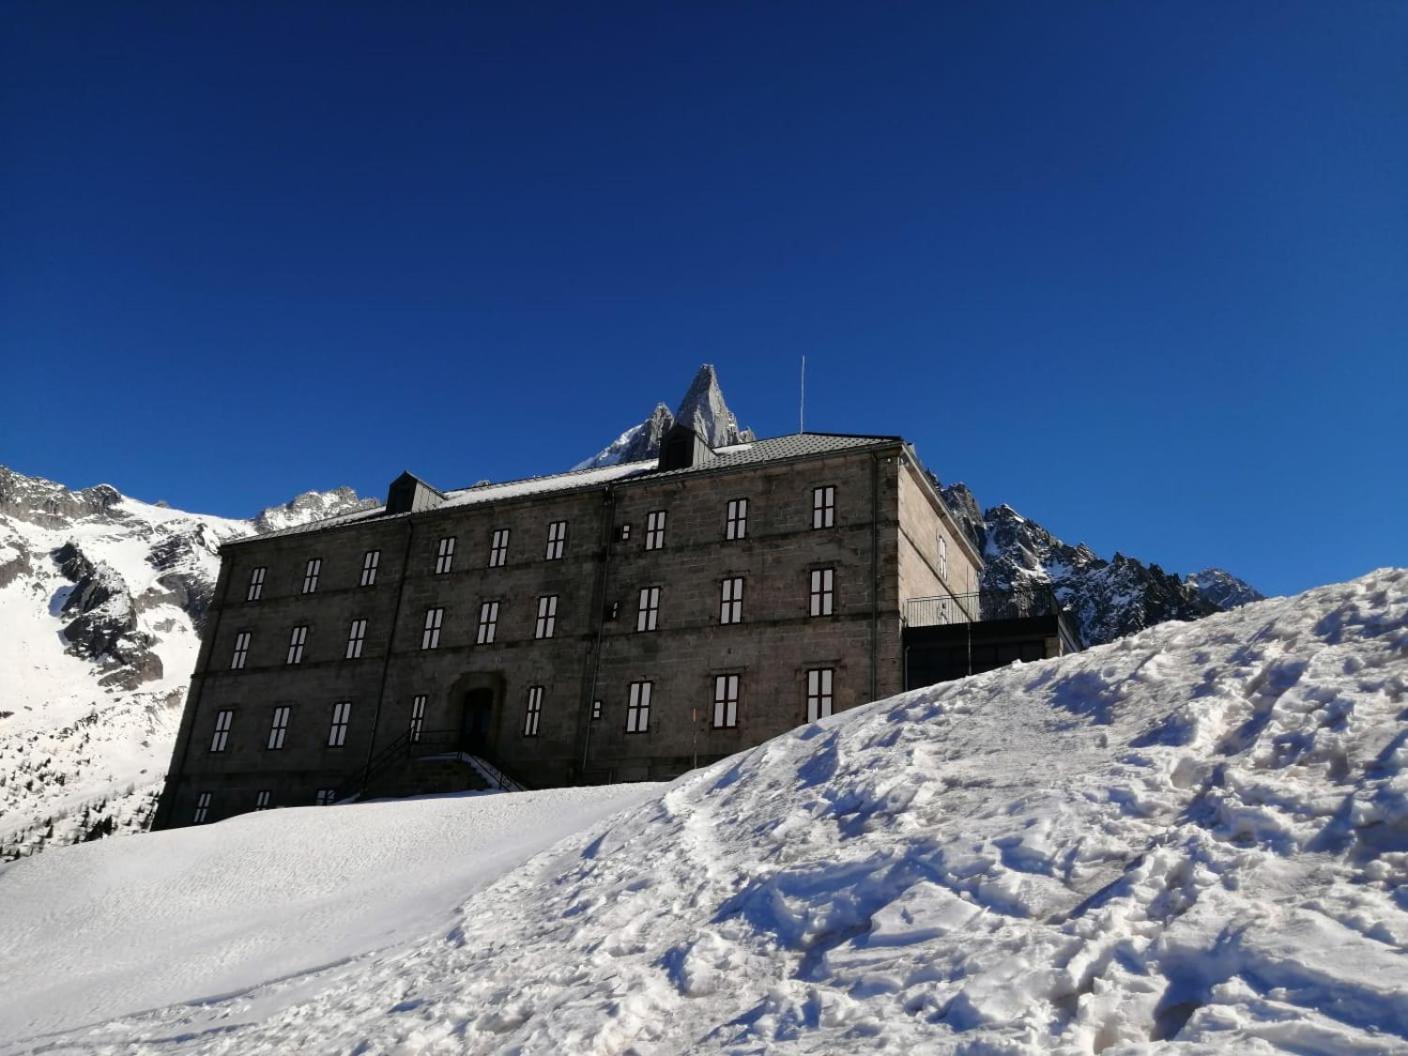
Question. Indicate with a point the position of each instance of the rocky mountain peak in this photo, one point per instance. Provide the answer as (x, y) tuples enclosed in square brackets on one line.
[(311, 506)]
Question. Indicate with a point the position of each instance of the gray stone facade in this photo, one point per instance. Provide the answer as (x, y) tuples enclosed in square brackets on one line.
[(557, 709)]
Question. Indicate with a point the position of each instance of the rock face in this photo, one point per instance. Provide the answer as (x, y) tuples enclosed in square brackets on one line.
[(1223, 590), (102, 600), (703, 409)]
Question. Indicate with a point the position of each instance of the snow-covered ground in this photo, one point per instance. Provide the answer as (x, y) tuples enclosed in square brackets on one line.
[(1192, 840)]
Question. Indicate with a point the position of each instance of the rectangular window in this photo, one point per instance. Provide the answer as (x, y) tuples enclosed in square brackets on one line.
[(263, 800), (819, 693), (823, 507), (557, 539), (547, 616), (638, 707), (324, 797), (943, 557), (417, 717), (823, 595), (655, 530), (296, 642), (278, 728), (430, 636), (371, 560), (241, 651), (488, 622), (596, 710), (534, 711), (221, 736), (356, 635), (498, 548), (736, 523), (256, 584), (202, 809), (731, 601), (444, 555), (725, 701), (649, 610), (337, 732), (311, 571)]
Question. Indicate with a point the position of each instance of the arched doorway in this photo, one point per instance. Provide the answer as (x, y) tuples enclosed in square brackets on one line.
[(477, 721)]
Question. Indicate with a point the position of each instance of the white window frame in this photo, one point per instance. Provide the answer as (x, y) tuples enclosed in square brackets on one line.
[(824, 506), (341, 719), (430, 633), (498, 548), (648, 610), (202, 810), (444, 555), (547, 616), (256, 584), (297, 639), (943, 557), (533, 711), (820, 693), (736, 520), (417, 717), (325, 797), (488, 623), (220, 738), (726, 689), (371, 561), (822, 592), (241, 653), (278, 727), (731, 600), (263, 799), (311, 571), (557, 540), (356, 637), (638, 707), (655, 530)]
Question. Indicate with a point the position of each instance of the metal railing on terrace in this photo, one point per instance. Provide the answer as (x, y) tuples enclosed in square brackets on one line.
[(980, 606)]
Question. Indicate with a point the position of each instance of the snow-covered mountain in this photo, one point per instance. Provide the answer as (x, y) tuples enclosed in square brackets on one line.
[(1188, 841), (101, 602)]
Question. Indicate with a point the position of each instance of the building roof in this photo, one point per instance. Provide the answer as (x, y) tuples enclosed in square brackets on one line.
[(774, 449)]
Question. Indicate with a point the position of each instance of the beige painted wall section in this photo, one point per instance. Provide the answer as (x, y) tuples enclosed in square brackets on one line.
[(921, 528)]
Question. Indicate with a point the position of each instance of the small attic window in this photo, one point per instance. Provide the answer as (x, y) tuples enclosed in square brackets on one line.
[(409, 494), (682, 448)]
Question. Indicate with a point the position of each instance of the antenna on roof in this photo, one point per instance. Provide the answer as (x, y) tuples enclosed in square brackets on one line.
[(802, 410)]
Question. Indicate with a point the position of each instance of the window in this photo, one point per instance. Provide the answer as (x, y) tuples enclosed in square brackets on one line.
[(823, 507), (725, 701), (241, 651), (311, 571), (534, 711), (547, 616), (430, 636), (557, 539), (417, 717), (278, 728), (202, 809), (337, 732), (638, 707), (822, 593), (731, 601), (444, 555), (324, 797), (819, 693), (625, 532), (296, 641), (736, 523), (596, 710), (649, 610), (356, 635), (222, 730), (498, 548), (943, 557), (263, 800), (655, 530), (256, 584), (488, 622), (370, 561)]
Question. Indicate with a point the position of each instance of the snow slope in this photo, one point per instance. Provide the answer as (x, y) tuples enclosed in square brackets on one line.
[(1191, 840)]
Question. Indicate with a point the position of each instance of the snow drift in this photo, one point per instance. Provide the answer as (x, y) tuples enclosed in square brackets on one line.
[(1195, 839)]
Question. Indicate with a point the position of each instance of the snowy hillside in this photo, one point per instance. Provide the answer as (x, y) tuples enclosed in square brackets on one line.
[(1192, 840), (101, 597)]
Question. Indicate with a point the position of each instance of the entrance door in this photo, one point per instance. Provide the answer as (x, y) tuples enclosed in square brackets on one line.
[(475, 726)]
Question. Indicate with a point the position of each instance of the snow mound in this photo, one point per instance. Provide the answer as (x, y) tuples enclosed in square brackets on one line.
[(1191, 840)]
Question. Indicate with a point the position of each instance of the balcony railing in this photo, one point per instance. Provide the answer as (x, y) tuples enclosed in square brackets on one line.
[(980, 606)]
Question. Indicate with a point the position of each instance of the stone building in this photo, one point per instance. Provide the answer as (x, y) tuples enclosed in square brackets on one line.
[(619, 623)]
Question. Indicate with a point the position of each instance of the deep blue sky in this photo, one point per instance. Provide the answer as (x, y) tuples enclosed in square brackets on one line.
[(1139, 270)]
